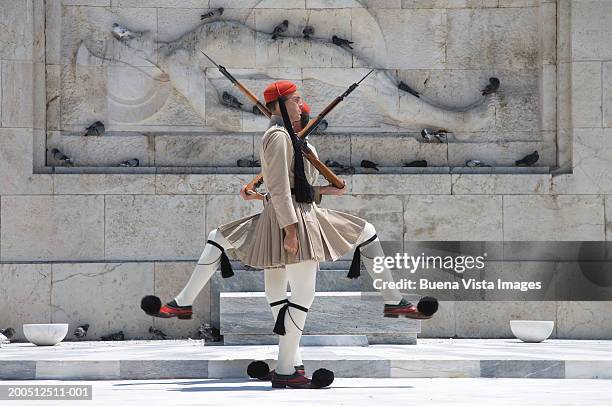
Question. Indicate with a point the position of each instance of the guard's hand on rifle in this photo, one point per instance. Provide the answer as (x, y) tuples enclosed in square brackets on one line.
[(332, 190), (247, 194)]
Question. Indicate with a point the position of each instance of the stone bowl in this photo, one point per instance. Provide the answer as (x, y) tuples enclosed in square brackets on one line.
[(532, 331), (45, 334)]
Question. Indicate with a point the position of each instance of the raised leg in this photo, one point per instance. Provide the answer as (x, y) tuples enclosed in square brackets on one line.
[(373, 249), (207, 265)]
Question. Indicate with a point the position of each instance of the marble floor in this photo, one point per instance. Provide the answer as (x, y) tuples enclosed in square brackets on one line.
[(430, 358), (344, 391)]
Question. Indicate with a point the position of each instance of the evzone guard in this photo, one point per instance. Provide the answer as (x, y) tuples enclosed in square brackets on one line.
[(287, 240)]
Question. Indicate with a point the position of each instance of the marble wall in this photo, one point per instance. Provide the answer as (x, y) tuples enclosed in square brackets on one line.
[(83, 244)]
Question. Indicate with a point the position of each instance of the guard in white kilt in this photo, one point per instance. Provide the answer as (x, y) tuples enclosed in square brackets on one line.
[(287, 240)]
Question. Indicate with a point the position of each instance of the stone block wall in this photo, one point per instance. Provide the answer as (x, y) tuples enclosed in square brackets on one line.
[(84, 244)]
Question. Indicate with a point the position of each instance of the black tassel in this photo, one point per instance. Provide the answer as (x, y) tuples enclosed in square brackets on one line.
[(304, 192), (355, 269), (226, 266), (279, 326)]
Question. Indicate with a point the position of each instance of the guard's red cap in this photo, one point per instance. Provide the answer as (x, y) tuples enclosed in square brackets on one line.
[(281, 88)]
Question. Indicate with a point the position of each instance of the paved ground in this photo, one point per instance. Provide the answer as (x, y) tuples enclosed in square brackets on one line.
[(345, 391)]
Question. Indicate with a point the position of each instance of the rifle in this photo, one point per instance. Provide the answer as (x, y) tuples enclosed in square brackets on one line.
[(327, 173)]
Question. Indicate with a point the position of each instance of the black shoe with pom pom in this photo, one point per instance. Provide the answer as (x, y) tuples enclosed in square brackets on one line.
[(426, 308), (260, 370), (152, 306), (320, 379)]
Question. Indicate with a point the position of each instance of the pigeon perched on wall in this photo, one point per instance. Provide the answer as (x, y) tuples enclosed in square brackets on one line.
[(403, 86), (431, 135), (59, 156), (492, 87), (308, 31), (341, 42), (420, 163), (209, 333), (81, 331), (8, 332), (279, 29), (248, 163), (130, 163), (230, 101), (528, 160), (475, 163), (121, 33), (118, 336), (256, 111), (212, 14), (96, 129), (157, 333), (369, 164), (333, 164), (321, 127)]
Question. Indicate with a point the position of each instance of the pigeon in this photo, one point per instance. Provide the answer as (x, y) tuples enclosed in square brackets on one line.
[(279, 29), (158, 333), (121, 33), (248, 163), (341, 42), (431, 135), (419, 163), (528, 160), (256, 111), (403, 86), (118, 336), (333, 164), (308, 31), (339, 168), (209, 333), (59, 155), (4, 340), (212, 13), (8, 332), (230, 101), (475, 163), (96, 129), (321, 127), (492, 87), (130, 163), (369, 164), (81, 331)]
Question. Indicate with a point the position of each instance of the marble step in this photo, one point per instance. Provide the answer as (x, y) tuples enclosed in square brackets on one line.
[(189, 359), (332, 313), (306, 341)]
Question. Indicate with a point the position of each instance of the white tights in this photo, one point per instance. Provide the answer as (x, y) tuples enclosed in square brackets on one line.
[(207, 265), (302, 279)]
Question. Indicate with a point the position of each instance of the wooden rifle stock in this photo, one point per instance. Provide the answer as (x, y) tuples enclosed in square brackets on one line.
[(327, 173)]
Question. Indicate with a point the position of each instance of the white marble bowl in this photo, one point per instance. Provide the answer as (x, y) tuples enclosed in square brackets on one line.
[(532, 331), (45, 334)]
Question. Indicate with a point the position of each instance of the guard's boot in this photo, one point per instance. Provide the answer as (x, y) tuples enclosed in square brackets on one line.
[(267, 376), (171, 309), (404, 308), (320, 379)]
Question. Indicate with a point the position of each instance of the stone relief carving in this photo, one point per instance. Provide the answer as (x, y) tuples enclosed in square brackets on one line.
[(179, 64)]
